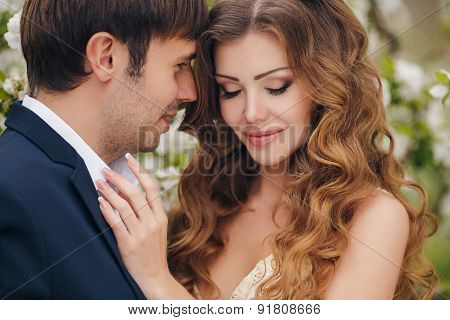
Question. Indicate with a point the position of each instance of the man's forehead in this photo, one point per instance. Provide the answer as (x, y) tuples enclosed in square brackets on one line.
[(189, 56), (182, 48), (188, 52)]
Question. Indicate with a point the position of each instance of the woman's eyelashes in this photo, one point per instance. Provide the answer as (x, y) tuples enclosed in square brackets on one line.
[(274, 92), (229, 95), (279, 91)]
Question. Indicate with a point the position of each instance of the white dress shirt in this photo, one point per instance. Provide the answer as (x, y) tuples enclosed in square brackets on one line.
[(93, 162)]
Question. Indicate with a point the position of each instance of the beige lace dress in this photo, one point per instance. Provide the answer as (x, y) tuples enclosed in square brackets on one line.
[(247, 288)]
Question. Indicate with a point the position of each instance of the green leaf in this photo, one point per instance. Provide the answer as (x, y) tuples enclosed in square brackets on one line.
[(2, 76), (422, 153), (444, 99), (4, 95), (442, 78), (387, 68), (404, 128), (4, 18)]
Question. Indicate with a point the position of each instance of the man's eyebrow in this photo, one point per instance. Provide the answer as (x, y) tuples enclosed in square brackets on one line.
[(189, 56), (258, 77)]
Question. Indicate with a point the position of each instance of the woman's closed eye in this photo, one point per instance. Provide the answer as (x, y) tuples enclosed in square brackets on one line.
[(279, 91), (229, 95), (274, 92)]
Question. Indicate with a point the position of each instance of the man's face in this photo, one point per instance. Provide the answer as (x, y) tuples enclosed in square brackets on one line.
[(141, 109)]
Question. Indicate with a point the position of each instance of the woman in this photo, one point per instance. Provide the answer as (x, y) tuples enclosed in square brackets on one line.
[(294, 192)]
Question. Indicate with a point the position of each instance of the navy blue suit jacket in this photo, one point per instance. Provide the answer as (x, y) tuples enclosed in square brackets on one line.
[(54, 241)]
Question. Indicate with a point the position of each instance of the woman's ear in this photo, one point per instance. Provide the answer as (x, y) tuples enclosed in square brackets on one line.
[(100, 56)]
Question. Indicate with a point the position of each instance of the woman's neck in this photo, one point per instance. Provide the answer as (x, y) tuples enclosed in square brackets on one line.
[(268, 187)]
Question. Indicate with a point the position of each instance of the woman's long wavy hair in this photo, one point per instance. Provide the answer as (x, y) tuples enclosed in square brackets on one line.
[(347, 155)]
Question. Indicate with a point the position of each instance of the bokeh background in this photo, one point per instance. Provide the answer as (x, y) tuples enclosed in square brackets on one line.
[(410, 43)]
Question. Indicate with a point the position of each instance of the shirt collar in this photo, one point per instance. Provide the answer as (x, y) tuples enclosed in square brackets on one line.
[(93, 162)]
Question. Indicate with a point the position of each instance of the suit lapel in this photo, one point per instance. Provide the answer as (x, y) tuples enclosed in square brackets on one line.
[(40, 133), (83, 183)]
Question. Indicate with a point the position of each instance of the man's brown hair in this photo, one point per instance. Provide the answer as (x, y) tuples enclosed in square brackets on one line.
[(55, 34)]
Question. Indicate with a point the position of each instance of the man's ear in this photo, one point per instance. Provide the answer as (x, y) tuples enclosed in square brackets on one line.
[(102, 58)]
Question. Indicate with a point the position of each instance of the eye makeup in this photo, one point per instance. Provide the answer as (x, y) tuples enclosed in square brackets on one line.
[(280, 91), (226, 95)]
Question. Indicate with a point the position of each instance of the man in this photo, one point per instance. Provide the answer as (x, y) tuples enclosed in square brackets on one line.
[(105, 78)]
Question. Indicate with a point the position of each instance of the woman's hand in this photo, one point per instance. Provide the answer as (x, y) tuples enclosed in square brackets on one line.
[(140, 226)]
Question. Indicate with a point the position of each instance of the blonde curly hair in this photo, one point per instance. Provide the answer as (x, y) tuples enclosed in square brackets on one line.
[(343, 161)]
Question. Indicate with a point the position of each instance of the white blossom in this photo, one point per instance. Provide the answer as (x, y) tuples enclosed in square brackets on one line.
[(438, 91), (13, 34), (437, 116), (411, 76), (401, 143), (8, 86), (395, 13), (16, 83)]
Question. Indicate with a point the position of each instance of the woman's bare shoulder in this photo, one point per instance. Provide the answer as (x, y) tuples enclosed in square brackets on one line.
[(383, 209), (370, 265)]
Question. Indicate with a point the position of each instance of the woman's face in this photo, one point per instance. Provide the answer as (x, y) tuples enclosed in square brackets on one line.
[(268, 109)]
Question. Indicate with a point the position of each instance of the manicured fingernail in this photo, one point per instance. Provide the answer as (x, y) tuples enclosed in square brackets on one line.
[(107, 172), (101, 185), (131, 158), (101, 200)]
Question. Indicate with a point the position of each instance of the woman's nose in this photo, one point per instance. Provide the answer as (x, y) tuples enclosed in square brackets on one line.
[(255, 111)]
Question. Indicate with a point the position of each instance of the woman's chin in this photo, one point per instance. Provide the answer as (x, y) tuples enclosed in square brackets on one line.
[(272, 162)]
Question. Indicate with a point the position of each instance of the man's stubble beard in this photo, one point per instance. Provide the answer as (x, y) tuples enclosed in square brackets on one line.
[(129, 124)]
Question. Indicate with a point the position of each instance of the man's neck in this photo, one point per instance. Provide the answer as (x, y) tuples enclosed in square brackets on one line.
[(80, 111)]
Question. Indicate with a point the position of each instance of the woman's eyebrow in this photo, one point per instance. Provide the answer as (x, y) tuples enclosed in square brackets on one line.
[(265, 74), (258, 77), (227, 77)]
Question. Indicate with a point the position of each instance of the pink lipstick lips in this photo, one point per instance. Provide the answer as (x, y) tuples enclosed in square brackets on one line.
[(262, 138)]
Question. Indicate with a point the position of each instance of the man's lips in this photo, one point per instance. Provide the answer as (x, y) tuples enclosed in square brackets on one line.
[(167, 118)]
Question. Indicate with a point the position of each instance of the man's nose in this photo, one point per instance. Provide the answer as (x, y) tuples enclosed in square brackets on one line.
[(187, 88)]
